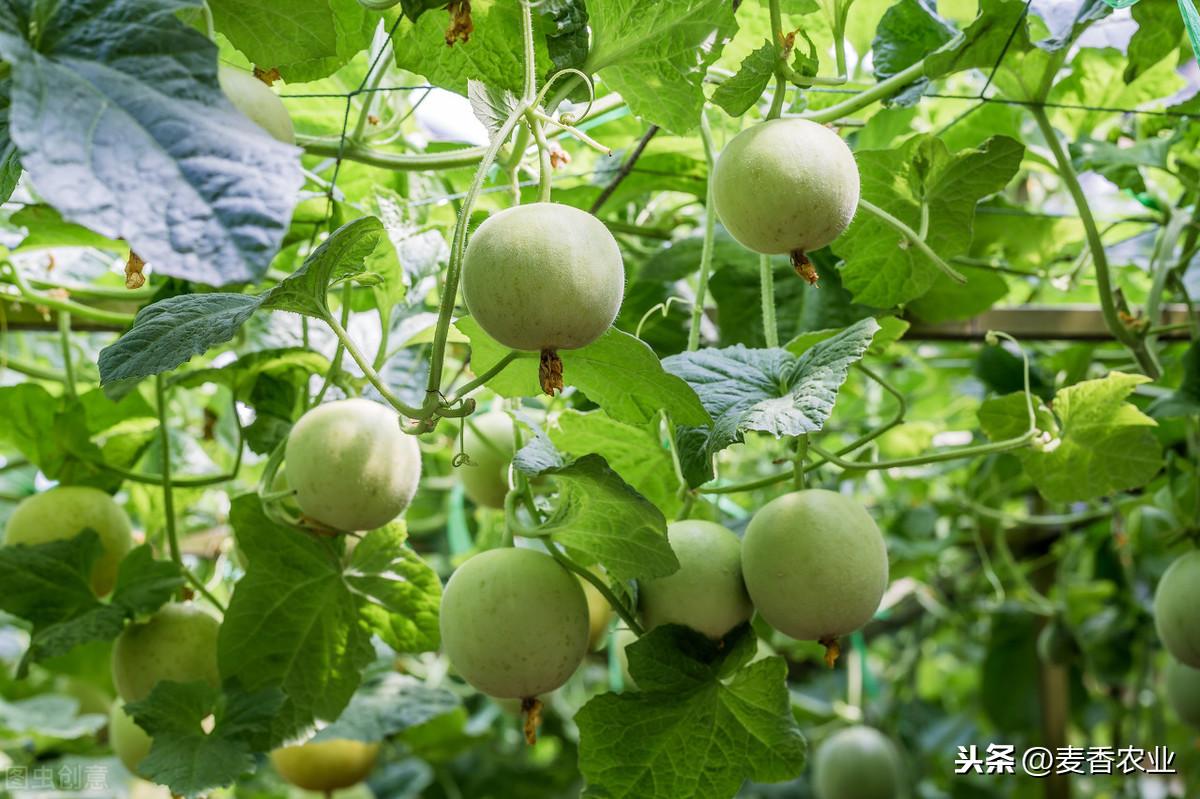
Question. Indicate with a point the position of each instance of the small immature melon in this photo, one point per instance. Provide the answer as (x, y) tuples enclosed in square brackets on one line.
[(257, 101), (543, 277), (351, 465), (786, 186), (178, 643), (858, 763), (514, 623), (815, 564), (1175, 609), (600, 615), (130, 742), (488, 440), (708, 593), (326, 766), (65, 512), (1183, 691)]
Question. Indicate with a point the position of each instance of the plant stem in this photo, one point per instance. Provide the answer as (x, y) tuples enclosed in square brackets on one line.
[(766, 280), (885, 88), (458, 245), (780, 93), (64, 336), (31, 370), (164, 439), (710, 227), (545, 170), (331, 147), (372, 376), (1095, 245), (31, 297), (335, 365), (500, 366), (938, 457), (599, 584), (910, 235)]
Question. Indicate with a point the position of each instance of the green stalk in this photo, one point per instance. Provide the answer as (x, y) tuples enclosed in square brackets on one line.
[(164, 439), (31, 297), (31, 370), (372, 376), (885, 88), (331, 147), (1095, 246), (458, 245), (545, 170), (479, 381), (64, 336), (335, 365), (913, 237), (626, 615), (766, 280), (710, 227)]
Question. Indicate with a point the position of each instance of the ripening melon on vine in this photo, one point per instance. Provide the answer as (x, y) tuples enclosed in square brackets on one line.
[(514, 623), (1175, 609), (1183, 691), (128, 740), (488, 442), (176, 644), (351, 465), (815, 565), (65, 512), (786, 187), (858, 763), (257, 102), (543, 277), (707, 593), (326, 766)]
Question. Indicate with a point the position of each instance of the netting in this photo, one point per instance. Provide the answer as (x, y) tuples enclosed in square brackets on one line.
[(985, 96)]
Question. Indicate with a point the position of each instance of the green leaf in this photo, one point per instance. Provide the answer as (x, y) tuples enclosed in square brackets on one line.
[(343, 255), (399, 593), (49, 585), (881, 268), (55, 433), (635, 452), (387, 706), (491, 106), (1094, 444), (703, 723), (144, 584), (10, 159), (771, 390), (304, 39), (946, 300), (738, 94), (656, 54), (999, 28), (602, 370), (736, 287), (566, 25), (197, 189), (1159, 34), (908, 32), (46, 228), (1185, 400), (601, 519), (494, 54), (170, 332), (1008, 688), (48, 716), (183, 756), (301, 621)]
